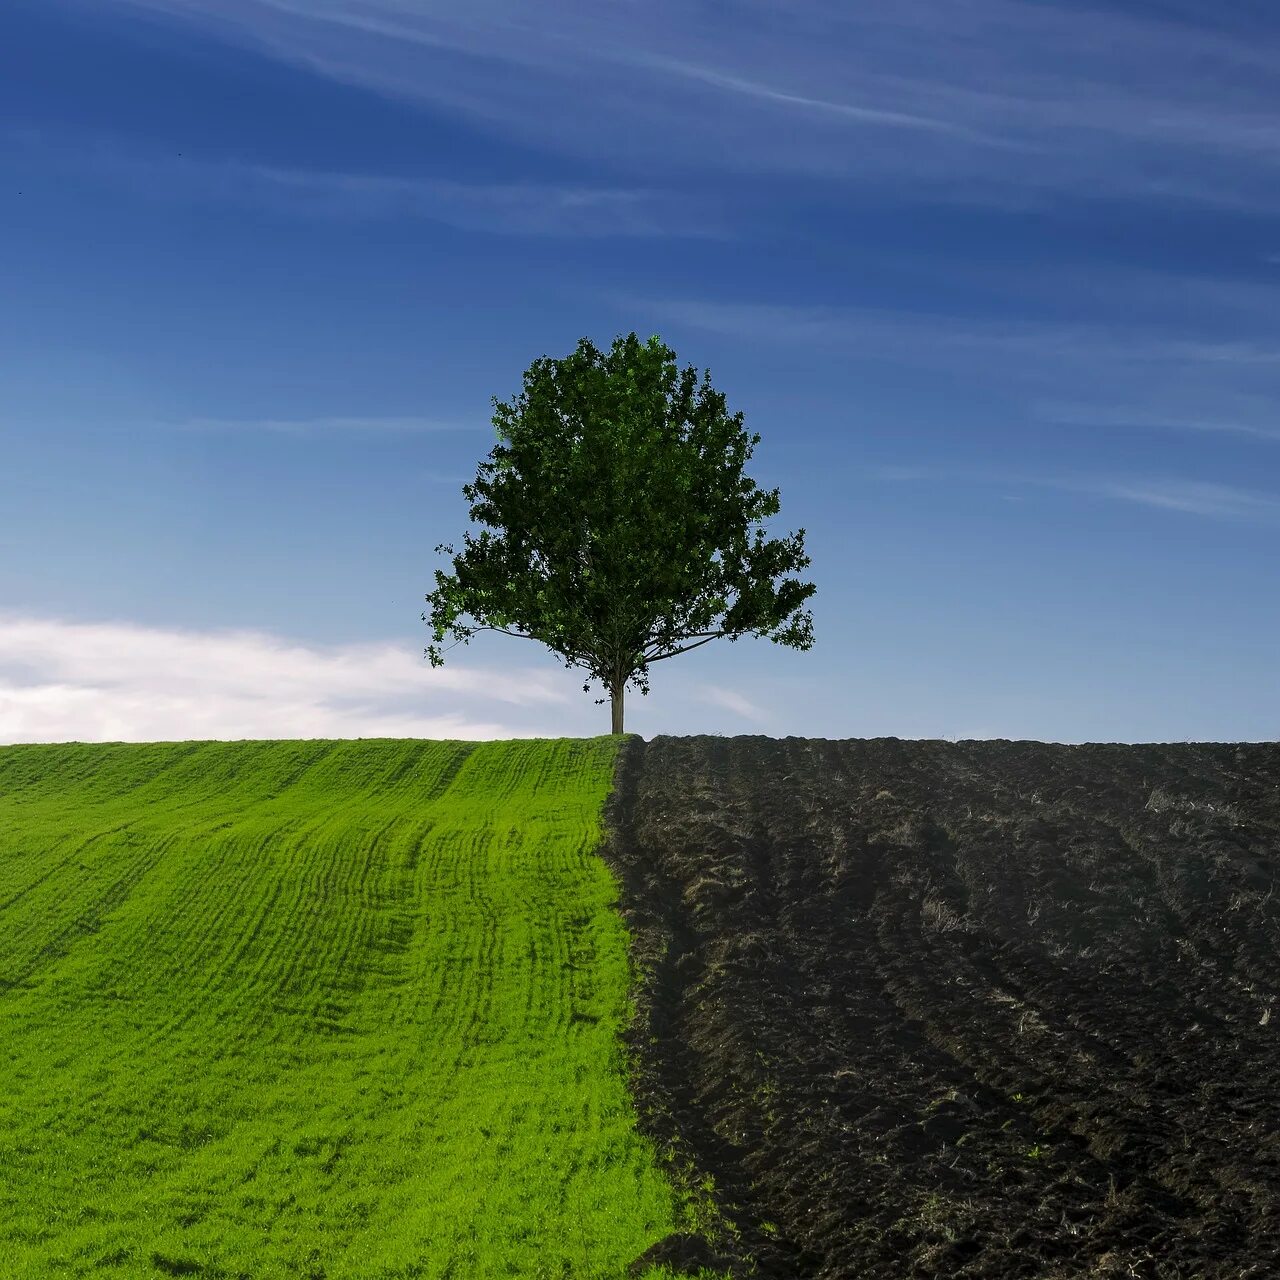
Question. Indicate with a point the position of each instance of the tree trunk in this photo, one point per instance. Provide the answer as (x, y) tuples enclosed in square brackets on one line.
[(616, 694)]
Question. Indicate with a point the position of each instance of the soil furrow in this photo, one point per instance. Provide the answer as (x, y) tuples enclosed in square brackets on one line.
[(970, 1010)]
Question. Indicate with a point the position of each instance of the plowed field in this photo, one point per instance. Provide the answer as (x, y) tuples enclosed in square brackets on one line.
[(968, 1010)]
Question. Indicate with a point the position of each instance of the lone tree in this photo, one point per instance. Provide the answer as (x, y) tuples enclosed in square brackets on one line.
[(620, 523)]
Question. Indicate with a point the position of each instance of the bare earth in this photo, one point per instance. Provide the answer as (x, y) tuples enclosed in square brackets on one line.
[(987, 1009)]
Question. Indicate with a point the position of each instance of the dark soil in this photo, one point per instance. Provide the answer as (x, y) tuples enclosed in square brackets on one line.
[(985, 1009)]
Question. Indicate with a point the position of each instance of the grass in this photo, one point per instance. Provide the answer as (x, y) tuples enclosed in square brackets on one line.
[(315, 1009)]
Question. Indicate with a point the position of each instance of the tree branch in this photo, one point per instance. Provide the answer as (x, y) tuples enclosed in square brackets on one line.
[(581, 659), (688, 635), (712, 635), (519, 635)]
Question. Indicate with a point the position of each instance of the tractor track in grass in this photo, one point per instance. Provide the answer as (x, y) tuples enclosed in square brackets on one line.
[(974, 1010), (333, 1010)]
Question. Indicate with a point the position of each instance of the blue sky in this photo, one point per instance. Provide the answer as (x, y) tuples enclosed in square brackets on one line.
[(996, 283)]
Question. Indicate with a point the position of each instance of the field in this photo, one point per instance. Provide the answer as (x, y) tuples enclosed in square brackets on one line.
[(315, 1009), (964, 1010), (859, 1010)]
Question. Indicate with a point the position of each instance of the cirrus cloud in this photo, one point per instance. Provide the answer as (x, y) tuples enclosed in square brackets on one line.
[(994, 102)]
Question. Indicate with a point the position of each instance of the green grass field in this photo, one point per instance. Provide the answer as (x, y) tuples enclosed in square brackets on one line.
[(315, 1009)]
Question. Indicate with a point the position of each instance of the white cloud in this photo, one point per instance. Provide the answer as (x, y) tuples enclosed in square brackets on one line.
[(847, 110), (117, 681), (969, 101), (732, 701)]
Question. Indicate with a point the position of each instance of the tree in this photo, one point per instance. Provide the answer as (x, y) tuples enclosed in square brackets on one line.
[(621, 528)]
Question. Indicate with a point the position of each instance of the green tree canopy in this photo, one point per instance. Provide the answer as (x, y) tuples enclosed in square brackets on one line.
[(621, 528)]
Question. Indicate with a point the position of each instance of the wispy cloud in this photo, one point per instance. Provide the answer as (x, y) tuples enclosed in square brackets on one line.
[(1191, 497), (1145, 419), (919, 337), (1229, 380), (874, 331), (875, 116), (509, 208), (527, 208), (118, 681), (1196, 497), (965, 102), (325, 426), (732, 701)]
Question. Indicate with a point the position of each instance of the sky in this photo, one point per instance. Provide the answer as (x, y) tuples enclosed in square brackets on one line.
[(995, 282)]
